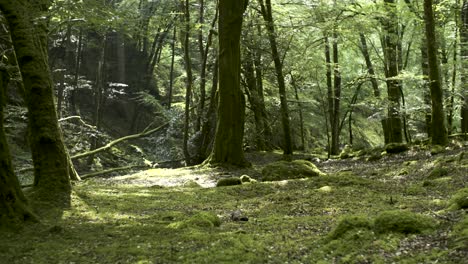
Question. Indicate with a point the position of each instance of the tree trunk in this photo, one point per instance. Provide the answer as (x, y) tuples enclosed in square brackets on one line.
[(335, 147), (370, 66), (268, 17), (301, 118), (51, 167), (426, 91), (464, 61), (14, 211), (439, 132), (393, 121), (189, 81), (228, 148), (171, 71)]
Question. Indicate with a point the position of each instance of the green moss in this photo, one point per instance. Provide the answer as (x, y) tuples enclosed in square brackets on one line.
[(191, 184), (199, 220), (348, 223), (347, 152), (246, 178), (459, 200), (437, 149), (438, 172), (403, 222), (284, 170), (460, 232), (394, 148), (228, 182)]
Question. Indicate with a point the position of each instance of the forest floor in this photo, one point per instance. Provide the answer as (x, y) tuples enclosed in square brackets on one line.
[(179, 216)]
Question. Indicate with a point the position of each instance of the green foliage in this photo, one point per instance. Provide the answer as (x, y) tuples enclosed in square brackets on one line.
[(284, 170), (401, 221), (438, 172)]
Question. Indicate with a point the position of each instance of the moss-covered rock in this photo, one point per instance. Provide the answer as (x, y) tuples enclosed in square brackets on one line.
[(405, 222), (229, 182), (325, 189), (437, 149), (459, 200), (394, 148), (284, 170), (437, 172), (191, 184), (246, 178), (347, 152), (351, 222), (198, 220)]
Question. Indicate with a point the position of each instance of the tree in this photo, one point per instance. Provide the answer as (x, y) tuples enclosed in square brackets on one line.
[(464, 60), (266, 12), (189, 81), (439, 132), (26, 19), (14, 210), (391, 41), (228, 147)]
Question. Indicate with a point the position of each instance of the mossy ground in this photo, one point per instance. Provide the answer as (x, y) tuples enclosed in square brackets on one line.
[(154, 218)]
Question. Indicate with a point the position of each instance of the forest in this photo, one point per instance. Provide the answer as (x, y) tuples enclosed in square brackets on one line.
[(233, 131)]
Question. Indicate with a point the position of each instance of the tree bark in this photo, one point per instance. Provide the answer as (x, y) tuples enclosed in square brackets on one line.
[(188, 82), (28, 30), (464, 61), (14, 211), (228, 147), (393, 121), (439, 131)]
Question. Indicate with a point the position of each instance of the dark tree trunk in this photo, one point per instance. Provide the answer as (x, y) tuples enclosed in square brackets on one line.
[(330, 101), (51, 167), (14, 211), (228, 147), (268, 17), (171, 71), (464, 61), (439, 132), (335, 144), (391, 48), (426, 92), (189, 81)]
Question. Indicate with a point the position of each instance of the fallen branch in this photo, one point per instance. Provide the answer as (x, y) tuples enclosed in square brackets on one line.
[(79, 119), (112, 143), (98, 173)]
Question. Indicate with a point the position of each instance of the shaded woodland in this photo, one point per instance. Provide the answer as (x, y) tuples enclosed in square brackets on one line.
[(311, 110)]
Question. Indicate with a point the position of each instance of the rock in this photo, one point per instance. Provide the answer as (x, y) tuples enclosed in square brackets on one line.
[(229, 182), (394, 148), (325, 189), (284, 170)]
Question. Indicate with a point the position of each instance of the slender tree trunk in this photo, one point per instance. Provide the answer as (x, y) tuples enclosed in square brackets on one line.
[(14, 211), (451, 103), (189, 81), (28, 30), (171, 72), (328, 65), (335, 148), (301, 117), (439, 132), (228, 147), (464, 61), (76, 74), (426, 91), (268, 17), (370, 66)]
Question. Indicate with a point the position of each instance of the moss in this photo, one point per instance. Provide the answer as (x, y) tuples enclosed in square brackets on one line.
[(325, 189), (191, 184), (351, 222), (199, 220), (437, 172), (246, 178), (437, 149), (228, 181), (347, 152), (460, 232), (394, 148), (402, 222), (459, 200), (284, 170)]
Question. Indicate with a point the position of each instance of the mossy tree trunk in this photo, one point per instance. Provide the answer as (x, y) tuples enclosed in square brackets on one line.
[(268, 17), (26, 19), (228, 147), (464, 61), (14, 211), (439, 132), (188, 81), (391, 43)]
